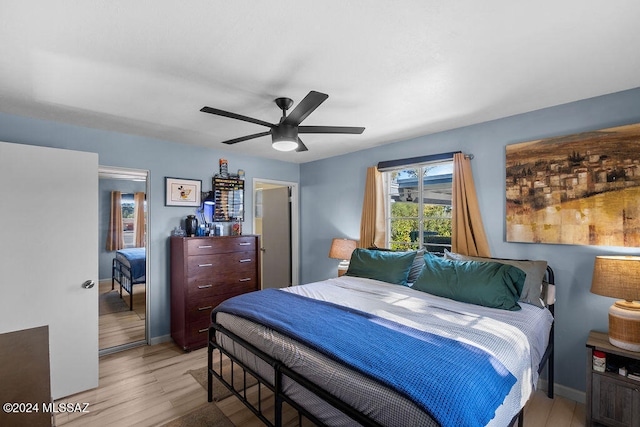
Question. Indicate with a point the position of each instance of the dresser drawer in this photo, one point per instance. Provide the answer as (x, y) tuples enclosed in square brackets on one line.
[(215, 268), (233, 283), (198, 309), (219, 245), (198, 331)]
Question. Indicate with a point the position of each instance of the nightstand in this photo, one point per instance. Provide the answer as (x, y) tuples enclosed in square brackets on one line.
[(612, 399)]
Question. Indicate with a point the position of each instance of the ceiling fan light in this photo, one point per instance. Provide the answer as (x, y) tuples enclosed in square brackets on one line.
[(285, 145), (284, 138)]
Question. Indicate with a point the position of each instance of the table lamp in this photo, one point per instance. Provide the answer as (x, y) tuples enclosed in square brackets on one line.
[(342, 249), (619, 277)]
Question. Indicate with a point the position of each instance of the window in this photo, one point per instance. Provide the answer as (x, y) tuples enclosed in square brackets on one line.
[(128, 206), (418, 206), (128, 220)]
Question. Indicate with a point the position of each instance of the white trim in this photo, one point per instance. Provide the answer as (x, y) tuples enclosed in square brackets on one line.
[(113, 172), (295, 223), (566, 392), (161, 339)]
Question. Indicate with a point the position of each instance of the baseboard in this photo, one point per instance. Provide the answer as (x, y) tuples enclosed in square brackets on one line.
[(566, 392), (159, 340)]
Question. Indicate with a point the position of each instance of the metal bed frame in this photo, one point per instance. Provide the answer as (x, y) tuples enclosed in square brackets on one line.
[(280, 370), (121, 273)]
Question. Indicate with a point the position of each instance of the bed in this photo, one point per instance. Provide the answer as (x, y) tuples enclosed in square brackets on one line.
[(368, 348), (128, 268)]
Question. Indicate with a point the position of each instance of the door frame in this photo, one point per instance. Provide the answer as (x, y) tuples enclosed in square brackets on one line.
[(114, 172), (295, 222)]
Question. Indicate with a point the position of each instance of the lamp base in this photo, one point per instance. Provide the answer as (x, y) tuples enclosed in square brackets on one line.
[(624, 328), (344, 265)]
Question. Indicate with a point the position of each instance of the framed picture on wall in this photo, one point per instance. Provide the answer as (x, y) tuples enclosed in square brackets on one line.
[(579, 189), (182, 192)]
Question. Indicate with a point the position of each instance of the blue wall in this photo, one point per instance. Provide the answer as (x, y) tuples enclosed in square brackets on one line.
[(332, 193), (162, 159)]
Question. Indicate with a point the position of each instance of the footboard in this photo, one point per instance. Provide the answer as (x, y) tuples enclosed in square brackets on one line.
[(274, 386), (121, 273), (279, 370)]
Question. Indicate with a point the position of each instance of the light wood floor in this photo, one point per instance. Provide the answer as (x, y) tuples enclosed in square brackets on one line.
[(149, 385), (122, 327)]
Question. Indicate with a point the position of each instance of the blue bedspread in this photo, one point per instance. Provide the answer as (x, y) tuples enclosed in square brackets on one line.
[(456, 383), (137, 258)]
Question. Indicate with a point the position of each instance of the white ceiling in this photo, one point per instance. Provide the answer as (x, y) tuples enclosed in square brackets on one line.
[(399, 68)]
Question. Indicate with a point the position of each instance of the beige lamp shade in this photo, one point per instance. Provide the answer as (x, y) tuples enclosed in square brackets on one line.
[(619, 277), (342, 248)]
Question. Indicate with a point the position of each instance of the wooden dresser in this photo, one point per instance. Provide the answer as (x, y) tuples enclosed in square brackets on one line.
[(204, 272)]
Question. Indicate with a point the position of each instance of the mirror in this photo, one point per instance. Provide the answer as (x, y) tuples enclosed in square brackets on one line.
[(123, 267)]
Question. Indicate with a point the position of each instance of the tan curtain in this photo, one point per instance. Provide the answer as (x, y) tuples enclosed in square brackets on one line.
[(138, 219), (115, 235), (468, 237), (373, 225)]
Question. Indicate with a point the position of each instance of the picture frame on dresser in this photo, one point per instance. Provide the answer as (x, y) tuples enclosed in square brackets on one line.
[(182, 192)]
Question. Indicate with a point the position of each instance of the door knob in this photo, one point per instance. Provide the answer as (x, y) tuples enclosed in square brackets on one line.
[(88, 284), (262, 249)]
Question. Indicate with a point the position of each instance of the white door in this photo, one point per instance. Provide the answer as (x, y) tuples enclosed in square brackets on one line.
[(48, 249), (276, 238)]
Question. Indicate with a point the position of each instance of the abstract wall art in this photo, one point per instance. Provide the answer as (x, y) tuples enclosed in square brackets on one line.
[(580, 189)]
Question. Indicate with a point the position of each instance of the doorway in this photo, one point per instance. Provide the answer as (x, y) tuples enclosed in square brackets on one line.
[(123, 292), (276, 220)]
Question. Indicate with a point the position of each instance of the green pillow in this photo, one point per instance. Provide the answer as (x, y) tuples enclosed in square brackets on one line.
[(535, 271), (488, 284), (390, 267)]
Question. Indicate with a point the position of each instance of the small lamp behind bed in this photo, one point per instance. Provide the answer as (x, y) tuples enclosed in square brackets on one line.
[(619, 277), (342, 249)]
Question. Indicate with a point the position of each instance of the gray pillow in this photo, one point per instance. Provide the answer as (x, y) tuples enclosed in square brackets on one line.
[(416, 267), (535, 271)]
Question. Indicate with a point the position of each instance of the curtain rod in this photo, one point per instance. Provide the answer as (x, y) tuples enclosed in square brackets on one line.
[(393, 164)]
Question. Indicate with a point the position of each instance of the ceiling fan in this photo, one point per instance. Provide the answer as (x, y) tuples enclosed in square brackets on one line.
[(284, 135)]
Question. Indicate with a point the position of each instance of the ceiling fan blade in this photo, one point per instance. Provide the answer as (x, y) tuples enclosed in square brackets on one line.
[(330, 129), (218, 112), (301, 146), (305, 107), (245, 138)]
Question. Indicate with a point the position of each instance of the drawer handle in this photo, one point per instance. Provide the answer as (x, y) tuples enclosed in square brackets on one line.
[(204, 286), (202, 330), (244, 243), (204, 247), (205, 308), (246, 260), (246, 279), (205, 265)]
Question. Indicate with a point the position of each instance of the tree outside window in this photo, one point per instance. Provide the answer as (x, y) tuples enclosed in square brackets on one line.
[(419, 210)]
